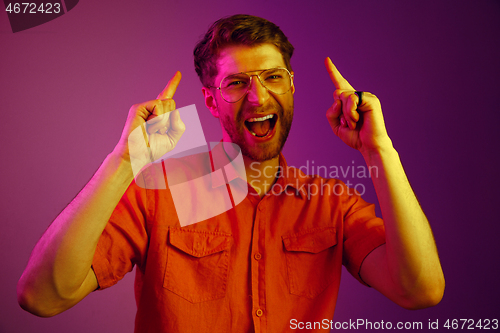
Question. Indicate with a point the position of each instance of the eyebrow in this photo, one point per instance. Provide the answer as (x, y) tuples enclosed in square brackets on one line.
[(255, 70)]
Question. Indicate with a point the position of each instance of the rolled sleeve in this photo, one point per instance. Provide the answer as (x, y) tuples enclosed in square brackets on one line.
[(363, 233), (123, 242)]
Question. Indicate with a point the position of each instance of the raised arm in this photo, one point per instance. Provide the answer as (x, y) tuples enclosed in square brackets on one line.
[(59, 273), (407, 268)]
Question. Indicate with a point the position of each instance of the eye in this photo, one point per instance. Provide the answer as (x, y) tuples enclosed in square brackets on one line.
[(274, 75), (235, 82), (273, 78)]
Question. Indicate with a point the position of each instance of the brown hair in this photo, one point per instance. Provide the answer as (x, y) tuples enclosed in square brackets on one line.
[(233, 30)]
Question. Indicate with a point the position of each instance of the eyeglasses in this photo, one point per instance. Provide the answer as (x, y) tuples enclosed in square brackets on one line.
[(233, 87)]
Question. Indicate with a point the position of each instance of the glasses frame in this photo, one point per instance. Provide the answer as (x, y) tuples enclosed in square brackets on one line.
[(250, 83)]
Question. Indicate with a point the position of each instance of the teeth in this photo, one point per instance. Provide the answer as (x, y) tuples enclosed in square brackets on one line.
[(252, 120)]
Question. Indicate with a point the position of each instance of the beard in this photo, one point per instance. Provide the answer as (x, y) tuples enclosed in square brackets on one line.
[(267, 150)]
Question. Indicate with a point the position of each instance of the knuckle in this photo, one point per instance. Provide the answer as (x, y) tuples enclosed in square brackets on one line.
[(135, 108), (345, 95), (163, 119), (330, 113), (166, 122), (169, 104), (370, 95), (158, 102), (373, 99), (353, 97)]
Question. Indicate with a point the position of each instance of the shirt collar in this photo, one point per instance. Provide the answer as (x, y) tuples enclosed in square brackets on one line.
[(223, 166), (235, 168), (290, 177)]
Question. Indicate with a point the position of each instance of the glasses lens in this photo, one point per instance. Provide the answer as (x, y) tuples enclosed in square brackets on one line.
[(277, 80), (235, 86)]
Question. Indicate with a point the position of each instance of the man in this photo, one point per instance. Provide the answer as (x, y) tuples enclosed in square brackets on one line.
[(275, 258)]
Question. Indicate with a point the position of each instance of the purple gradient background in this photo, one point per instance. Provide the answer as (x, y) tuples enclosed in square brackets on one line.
[(66, 87)]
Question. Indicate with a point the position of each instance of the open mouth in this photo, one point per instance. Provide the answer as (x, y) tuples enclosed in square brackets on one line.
[(261, 127)]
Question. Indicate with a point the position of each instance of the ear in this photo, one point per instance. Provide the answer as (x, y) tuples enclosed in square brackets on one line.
[(293, 85), (210, 101)]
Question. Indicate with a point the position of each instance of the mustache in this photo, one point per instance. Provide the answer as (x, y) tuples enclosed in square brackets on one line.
[(272, 107)]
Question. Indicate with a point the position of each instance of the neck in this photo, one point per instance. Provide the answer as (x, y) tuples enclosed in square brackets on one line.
[(261, 175)]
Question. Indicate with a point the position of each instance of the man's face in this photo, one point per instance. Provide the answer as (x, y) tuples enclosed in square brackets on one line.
[(259, 123)]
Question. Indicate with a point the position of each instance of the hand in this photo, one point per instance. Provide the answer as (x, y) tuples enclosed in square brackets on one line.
[(152, 129), (359, 126)]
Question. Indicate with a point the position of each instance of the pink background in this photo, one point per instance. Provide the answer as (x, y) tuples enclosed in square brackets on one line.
[(66, 87)]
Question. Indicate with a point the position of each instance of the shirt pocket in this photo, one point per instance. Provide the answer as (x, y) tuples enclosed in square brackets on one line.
[(197, 264), (310, 260)]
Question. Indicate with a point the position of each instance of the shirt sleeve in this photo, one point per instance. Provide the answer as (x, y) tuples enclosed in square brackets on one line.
[(363, 233), (123, 242)]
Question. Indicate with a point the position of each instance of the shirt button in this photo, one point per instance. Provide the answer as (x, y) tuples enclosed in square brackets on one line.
[(257, 256), (259, 313)]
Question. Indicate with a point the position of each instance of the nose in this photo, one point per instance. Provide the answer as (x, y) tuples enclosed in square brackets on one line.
[(257, 93)]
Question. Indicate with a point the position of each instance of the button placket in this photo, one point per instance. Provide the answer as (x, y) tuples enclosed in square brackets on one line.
[(258, 269)]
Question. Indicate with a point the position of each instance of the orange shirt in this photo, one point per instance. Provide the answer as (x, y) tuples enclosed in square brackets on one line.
[(254, 268)]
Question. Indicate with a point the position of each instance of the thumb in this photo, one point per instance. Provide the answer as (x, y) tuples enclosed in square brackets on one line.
[(177, 126), (333, 114)]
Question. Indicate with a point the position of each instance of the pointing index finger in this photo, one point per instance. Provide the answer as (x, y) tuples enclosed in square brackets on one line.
[(337, 78), (171, 87)]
